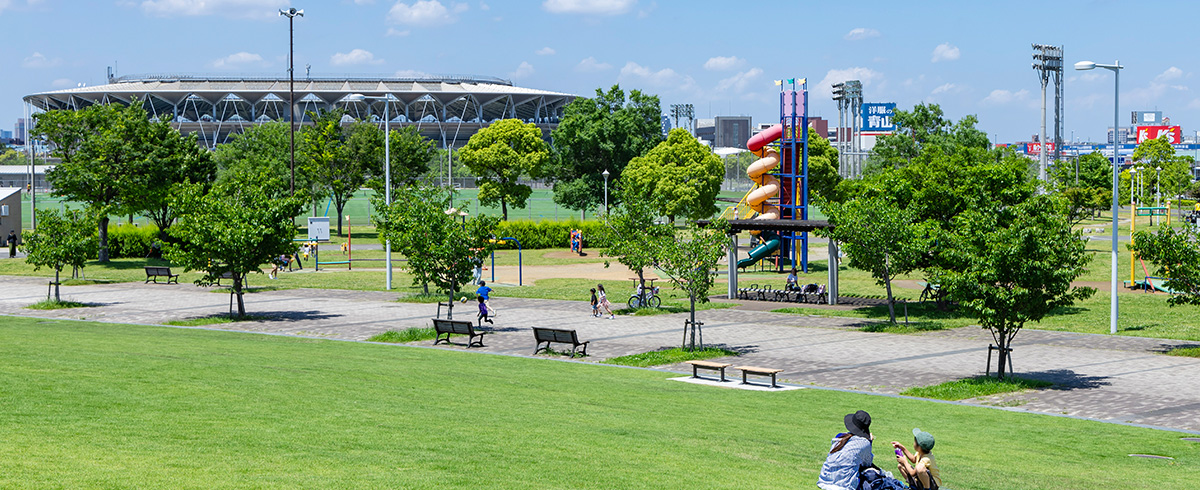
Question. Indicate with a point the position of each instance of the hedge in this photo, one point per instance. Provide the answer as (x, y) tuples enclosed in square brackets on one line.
[(131, 241), (550, 234)]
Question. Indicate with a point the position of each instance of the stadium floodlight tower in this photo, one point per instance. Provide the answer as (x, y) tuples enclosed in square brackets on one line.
[(1048, 61), (291, 14), (685, 111)]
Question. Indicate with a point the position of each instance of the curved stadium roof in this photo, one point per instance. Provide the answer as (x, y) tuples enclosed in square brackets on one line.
[(447, 109)]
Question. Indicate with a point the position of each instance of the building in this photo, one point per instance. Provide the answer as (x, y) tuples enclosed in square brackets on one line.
[(446, 109), (10, 213), (731, 131), (666, 126), (18, 135)]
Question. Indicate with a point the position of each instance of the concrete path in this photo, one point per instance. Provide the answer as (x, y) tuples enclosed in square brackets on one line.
[(1124, 379)]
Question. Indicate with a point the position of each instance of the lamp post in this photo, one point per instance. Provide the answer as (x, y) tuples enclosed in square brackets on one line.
[(291, 14), (1116, 69), (387, 171), (605, 174)]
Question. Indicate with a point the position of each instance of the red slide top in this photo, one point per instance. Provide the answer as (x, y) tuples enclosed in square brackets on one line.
[(766, 136)]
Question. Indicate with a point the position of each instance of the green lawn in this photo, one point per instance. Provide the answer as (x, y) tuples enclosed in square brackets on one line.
[(98, 405)]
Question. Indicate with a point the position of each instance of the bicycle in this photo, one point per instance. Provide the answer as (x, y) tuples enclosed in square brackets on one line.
[(647, 297)]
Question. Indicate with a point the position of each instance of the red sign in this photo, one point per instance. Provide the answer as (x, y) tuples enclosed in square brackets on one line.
[(1035, 148), (1172, 133)]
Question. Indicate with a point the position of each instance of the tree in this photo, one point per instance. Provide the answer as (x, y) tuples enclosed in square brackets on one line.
[(630, 231), (823, 175), (680, 176), (340, 159), (259, 154), (1176, 256), (597, 134), (438, 248), (1176, 173), (173, 159), (499, 155), (879, 237), (411, 154), (1086, 183), (61, 239), (690, 261), (231, 229), (925, 128), (1015, 266)]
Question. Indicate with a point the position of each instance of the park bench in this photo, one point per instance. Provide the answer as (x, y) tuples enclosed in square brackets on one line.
[(448, 327), (744, 293), (228, 276), (155, 272), (760, 372), (715, 366), (557, 335)]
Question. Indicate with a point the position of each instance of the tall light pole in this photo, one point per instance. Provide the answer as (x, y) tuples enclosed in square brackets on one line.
[(291, 15), (387, 172), (605, 174), (1116, 69)]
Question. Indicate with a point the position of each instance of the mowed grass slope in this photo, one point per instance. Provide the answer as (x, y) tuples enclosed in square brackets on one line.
[(86, 405)]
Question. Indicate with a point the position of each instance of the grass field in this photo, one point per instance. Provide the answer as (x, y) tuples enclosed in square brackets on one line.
[(98, 405)]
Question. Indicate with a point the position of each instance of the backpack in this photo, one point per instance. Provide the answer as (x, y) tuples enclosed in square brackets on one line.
[(873, 478)]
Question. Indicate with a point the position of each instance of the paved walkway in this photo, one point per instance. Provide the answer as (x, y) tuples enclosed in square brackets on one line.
[(1121, 379)]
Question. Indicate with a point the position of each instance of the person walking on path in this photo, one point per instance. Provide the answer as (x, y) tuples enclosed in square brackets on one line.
[(920, 469), (849, 452), (484, 293), (595, 304), (604, 302), (483, 312), (12, 244)]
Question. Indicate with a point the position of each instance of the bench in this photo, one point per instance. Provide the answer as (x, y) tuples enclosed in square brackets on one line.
[(229, 276), (715, 366), (448, 327), (759, 371), (155, 272), (557, 335)]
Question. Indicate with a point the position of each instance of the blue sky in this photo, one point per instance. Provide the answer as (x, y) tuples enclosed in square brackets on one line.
[(722, 56)]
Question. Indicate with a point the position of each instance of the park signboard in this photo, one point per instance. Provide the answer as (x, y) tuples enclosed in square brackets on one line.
[(318, 228)]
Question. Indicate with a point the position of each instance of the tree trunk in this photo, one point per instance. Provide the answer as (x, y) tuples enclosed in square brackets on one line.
[(57, 298), (102, 254), (450, 305), (887, 281), (504, 209), (692, 300), (237, 290), (641, 288), (1002, 339), (340, 205), (425, 284)]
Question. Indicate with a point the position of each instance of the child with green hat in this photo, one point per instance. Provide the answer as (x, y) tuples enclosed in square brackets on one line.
[(920, 468)]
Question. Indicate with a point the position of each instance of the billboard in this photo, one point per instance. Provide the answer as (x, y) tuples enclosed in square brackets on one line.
[(877, 117), (1035, 148), (1148, 118), (1173, 134)]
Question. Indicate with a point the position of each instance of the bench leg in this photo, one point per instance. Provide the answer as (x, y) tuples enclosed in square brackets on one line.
[(773, 381), (722, 375), (694, 375), (744, 378)]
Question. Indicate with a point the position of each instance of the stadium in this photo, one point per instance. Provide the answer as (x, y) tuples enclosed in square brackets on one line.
[(446, 109)]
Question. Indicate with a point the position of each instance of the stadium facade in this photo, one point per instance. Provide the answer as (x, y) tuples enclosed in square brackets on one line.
[(446, 109)]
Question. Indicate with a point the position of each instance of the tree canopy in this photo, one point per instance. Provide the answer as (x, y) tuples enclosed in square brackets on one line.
[(1176, 256), (62, 239), (680, 176), (690, 261), (261, 154), (924, 128), (340, 158), (598, 134), (499, 155), (629, 230), (1176, 173), (412, 156), (1086, 184)]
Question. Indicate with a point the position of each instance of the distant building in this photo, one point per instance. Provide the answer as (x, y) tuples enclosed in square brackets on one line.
[(18, 135), (731, 131), (666, 125), (1127, 135)]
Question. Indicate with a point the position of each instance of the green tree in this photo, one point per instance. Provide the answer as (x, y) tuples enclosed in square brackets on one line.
[(499, 155), (231, 229), (925, 128), (439, 249), (412, 157), (340, 159), (597, 134), (61, 240), (879, 237), (690, 261), (259, 154), (1176, 172), (823, 175), (680, 176), (1086, 184), (173, 159), (1176, 256), (630, 230), (1014, 266)]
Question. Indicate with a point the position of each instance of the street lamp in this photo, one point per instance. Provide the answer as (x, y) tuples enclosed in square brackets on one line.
[(1116, 69), (291, 14), (605, 174), (387, 170)]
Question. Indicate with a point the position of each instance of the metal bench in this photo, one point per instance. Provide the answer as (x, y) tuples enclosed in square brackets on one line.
[(557, 335), (715, 366), (447, 327), (155, 272)]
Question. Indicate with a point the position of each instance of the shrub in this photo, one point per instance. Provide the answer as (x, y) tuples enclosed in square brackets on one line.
[(131, 241), (550, 234)]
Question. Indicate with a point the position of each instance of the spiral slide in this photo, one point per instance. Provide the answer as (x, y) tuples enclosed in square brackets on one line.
[(759, 198)]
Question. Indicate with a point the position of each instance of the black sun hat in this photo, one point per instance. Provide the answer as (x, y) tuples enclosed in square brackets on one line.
[(859, 424)]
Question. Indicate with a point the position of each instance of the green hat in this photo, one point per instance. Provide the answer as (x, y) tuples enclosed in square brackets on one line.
[(924, 439)]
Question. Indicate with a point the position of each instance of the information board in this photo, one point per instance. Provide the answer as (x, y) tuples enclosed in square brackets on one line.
[(318, 228)]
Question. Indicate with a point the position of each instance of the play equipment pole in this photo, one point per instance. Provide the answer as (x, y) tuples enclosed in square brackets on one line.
[(349, 245), (520, 278)]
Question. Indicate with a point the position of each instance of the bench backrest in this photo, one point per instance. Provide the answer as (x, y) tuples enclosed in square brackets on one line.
[(453, 326), (158, 271), (555, 335)]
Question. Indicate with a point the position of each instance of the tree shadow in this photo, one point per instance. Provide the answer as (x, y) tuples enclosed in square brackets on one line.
[(293, 316), (741, 350), (1165, 348), (1066, 379)]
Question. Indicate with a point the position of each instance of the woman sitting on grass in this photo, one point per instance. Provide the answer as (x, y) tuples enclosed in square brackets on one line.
[(919, 469), (850, 452)]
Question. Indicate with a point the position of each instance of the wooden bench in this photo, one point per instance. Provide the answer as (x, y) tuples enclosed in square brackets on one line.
[(448, 327), (228, 275), (715, 366), (759, 371), (155, 272), (557, 335)]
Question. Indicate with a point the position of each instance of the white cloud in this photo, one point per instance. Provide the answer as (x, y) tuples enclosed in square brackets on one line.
[(1171, 73), (355, 57), (546, 51), (722, 63), (590, 65), (945, 88), (484, 6), (867, 76), (1001, 97), (523, 71), (945, 52), (39, 60), (740, 81), (860, 33), (599, 7), (425, 13), (261, 9), (665, 77), (60, 82), (237, 60), (393, 32)]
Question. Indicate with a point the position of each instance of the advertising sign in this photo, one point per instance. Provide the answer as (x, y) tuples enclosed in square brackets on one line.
[(877, 117), (1035, 148), (318, 228), (1173, 134)]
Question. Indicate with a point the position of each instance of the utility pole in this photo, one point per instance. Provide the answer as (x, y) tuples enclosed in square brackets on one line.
[(291, 14)]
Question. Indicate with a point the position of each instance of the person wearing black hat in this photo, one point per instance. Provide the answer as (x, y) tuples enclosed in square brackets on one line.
[(12, 244), (919, 468), (848, 453)]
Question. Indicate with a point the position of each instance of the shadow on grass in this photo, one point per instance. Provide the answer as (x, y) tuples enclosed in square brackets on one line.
[(52, 304)]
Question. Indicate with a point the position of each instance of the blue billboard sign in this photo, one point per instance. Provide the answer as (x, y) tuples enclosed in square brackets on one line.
[(877, 117)]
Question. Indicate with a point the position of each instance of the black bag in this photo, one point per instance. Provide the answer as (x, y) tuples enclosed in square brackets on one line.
[(873, 478)]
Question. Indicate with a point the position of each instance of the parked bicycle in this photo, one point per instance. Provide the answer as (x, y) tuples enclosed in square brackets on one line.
[(645, 297)]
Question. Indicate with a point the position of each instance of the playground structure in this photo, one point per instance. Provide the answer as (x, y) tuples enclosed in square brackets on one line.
[(1148, 282)]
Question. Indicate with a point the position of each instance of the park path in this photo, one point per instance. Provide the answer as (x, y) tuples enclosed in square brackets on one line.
[(1122, 379)]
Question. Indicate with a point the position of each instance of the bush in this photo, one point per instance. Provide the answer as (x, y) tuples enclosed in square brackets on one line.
[(128, 241), (550, 234)]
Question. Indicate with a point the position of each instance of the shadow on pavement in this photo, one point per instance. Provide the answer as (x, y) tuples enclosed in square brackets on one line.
[(1066, 379)]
